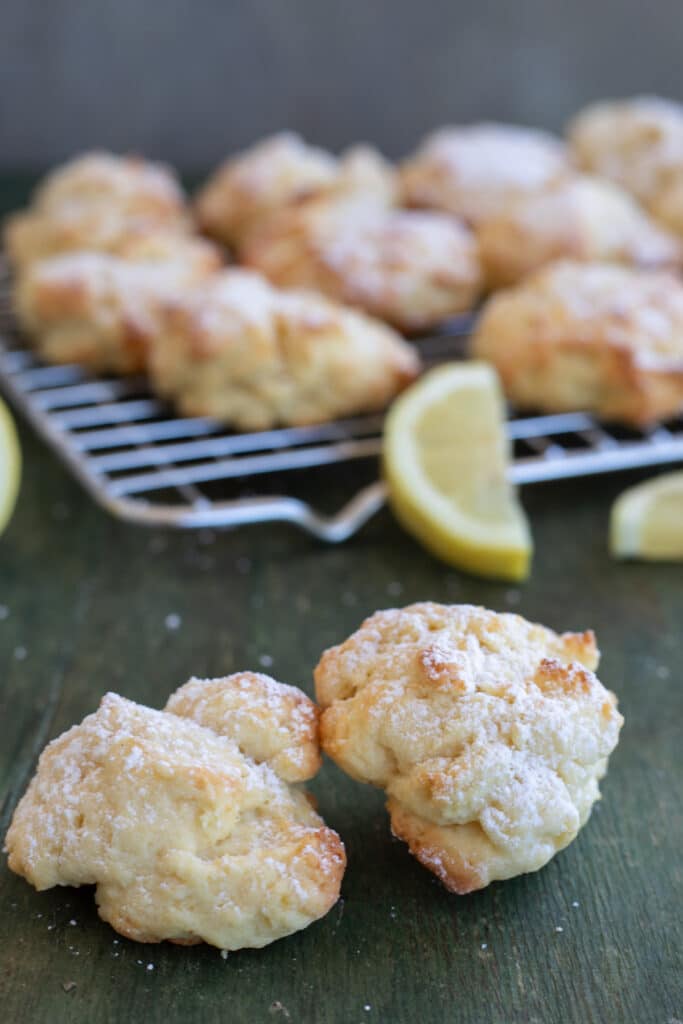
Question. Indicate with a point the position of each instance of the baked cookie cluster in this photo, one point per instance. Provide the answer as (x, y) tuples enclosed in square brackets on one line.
[(186, 820), (342, 232), (489, 734), (339, 253), (110, 274)]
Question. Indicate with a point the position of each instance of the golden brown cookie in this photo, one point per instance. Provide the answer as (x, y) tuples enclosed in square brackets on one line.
[(100, 309), (411, 268), (631, 141), (252, 184), (281, 172), (601, 338), (188, 830), (473, 171), (579, 218), (489, 734), (96, 201), (245, 353)]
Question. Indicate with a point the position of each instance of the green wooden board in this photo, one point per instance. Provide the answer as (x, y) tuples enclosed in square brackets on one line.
[(595, 936)]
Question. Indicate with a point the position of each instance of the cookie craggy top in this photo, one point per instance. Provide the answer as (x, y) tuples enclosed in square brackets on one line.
[(187, 829), (96, 201), (489, 733)]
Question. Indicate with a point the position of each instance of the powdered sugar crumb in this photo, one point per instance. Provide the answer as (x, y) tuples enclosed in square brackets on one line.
[(265, 660), (20, 653), (4, 612), (172, 621)]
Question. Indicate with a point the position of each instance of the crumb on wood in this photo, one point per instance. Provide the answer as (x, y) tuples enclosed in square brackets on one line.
[(68, 986)]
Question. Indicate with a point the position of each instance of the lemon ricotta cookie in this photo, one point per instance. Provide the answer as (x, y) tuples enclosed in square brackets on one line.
[(489, 734), (411, 268), (245, 353), (283, 171), (473, 171), (634, 142), (101, 309), (96, 201), (579, 218), (251, 185), (186, 820), (601, 338)]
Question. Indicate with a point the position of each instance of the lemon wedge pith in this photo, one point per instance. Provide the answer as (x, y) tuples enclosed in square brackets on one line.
[(445, 462), (647, 520), (10, 465)]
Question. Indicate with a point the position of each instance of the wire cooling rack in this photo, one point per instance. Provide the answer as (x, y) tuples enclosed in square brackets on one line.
[(144, 464)]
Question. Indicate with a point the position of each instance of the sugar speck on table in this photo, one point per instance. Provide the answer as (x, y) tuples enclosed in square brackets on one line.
[(278, 1007), (20, 653), (4, 612), (224, 954), (265, 661), (172, 621), (559, 928)]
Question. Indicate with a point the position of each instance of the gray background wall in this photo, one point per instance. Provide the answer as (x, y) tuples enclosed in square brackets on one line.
[(189, 81)]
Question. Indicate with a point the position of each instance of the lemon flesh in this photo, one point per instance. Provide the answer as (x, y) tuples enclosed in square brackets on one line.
[(647, 520), (10, 465), (445, 456)]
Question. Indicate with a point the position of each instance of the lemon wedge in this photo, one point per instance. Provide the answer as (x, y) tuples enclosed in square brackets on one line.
[(647, 520), (445, 461), (10, 465)]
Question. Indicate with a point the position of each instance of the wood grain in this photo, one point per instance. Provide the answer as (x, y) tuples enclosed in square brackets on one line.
[(87, 600)]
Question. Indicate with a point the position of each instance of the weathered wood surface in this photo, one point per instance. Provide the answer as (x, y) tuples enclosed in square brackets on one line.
[(594, 937)]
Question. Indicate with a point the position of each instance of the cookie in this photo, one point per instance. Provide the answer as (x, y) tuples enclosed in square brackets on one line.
[(488, 733)]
